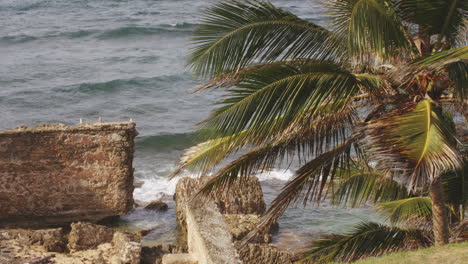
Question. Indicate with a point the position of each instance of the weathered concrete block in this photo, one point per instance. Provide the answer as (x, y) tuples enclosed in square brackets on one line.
[(206, 234), (55, 174)]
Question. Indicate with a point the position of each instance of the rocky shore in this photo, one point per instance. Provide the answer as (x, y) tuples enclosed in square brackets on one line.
[(218, 223), (57, 182)]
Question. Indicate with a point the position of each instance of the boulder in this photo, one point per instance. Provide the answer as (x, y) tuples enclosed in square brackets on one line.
[(244, 196), (265, 254), (85, 236), (127, 248), (157, 206)]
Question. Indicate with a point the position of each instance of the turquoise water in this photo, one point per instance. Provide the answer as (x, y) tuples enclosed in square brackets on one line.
[(62, 60)]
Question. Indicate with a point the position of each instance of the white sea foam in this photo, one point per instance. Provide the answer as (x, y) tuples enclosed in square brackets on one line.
[(277, 174), (156, 186)]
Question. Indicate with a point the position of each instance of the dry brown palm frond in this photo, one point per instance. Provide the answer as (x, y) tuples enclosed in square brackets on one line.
[(415, 142)]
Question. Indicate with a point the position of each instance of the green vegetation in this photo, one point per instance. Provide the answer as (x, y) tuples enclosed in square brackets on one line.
[(367, 105), (452, 253)]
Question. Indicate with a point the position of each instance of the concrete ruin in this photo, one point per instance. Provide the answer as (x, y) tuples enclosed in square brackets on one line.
[(55, 174), (209, 228)]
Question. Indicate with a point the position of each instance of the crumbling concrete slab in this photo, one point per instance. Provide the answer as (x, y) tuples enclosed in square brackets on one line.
[(56, 174)]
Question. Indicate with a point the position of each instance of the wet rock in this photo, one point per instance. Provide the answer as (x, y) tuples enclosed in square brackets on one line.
[(127, 248), (85, 236), (157, 206), (154, 255)]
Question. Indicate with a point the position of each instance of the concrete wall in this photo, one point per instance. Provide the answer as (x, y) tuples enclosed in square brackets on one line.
[(54, 174)]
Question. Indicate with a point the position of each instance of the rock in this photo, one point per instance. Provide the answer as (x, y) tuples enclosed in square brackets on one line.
[(53, 240), (144, 232), (264, 253), (240, 225), (154, 255), (52, 175), (244, 197), (157, 206), (179, 259), (127, 248), (85, 236)]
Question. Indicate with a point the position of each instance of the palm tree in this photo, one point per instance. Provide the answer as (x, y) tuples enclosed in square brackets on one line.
[(410, 215), (383, 83)]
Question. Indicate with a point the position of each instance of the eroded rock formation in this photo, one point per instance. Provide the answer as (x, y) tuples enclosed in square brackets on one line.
[(241, 206), (54, 174), (19, 246)]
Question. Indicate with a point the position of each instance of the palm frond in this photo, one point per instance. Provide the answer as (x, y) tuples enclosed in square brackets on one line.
[(407, 210), (282, 90), (204, 156), (441, 59), (445, 18), (458, 74), (415, 142), (234, 34), (302, 140), (377, 87), (367, 239), (369, 26), (363, 185), (309, 182)]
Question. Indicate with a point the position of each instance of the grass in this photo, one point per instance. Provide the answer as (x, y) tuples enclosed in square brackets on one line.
[(448, 254)]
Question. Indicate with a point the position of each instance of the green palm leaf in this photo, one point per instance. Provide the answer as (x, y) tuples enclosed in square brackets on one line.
[(405, 210), (303, 140), (415, 142), (309, 182), (367, 239), (234, 34), (445, 18), (441, 59), (290, 91), (369, 26), (364, 185)]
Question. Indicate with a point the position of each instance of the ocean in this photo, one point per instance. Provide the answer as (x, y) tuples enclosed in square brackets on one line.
[(66, 60)]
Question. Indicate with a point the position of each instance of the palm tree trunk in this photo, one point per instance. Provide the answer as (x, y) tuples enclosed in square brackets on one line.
[(425, 39), (439, 213)]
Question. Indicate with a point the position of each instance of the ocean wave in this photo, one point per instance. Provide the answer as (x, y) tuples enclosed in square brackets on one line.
[(276, 174), (118, 84), (125, 32), (115, 33), (156, 186), (16, 39)]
